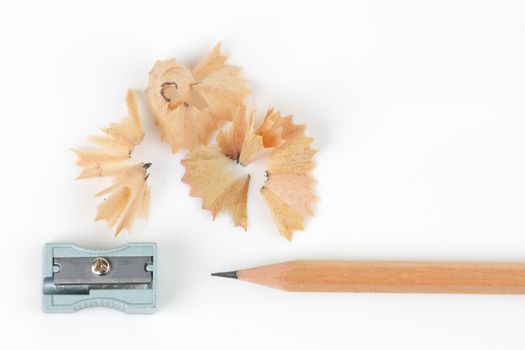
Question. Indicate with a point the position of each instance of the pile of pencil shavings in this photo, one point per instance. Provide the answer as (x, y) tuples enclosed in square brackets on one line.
[(189, 107)]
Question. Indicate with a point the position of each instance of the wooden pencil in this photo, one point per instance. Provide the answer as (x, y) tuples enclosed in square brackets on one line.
[(388, 277)]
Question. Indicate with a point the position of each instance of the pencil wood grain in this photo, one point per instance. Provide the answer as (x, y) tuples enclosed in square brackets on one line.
[(391, 277)]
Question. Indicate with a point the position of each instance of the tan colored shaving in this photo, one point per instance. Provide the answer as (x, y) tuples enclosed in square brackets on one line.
[(189, 105), (245, 143), (221, 190), (289, 188), (288, 191), (231, 141), (128, 196)]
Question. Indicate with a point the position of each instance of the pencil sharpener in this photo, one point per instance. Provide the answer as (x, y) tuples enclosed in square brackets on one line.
[(122, 278)]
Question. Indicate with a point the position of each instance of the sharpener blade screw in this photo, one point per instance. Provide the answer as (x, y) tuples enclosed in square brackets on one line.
[(100, 266)]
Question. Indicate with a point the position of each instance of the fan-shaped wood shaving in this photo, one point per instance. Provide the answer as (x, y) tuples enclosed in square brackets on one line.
[(128, 196), (190, 105), (247, 143), (230, 141), (272, 133), (289, 187), (115, 146), (288, 191), (252, 146), (221, 190)]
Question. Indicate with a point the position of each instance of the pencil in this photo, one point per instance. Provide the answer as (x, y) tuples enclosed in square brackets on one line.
[(388, 276)]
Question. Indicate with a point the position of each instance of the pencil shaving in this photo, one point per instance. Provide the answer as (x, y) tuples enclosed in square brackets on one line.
[(128, 196), (189, 105), (231, 141), (240, 142), (245, 143), (221, 190), (288, 190)]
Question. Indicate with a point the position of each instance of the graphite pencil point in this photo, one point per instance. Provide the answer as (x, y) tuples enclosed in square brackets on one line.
[(229, 274)]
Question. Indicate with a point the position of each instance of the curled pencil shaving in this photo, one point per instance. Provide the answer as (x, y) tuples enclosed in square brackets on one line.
[(245, 143), (189, 105), (128, 195), (115, 146), (288, 190), (221, 189)]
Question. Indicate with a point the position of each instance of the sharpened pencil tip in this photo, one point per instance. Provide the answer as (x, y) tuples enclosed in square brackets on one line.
[(229, 274)]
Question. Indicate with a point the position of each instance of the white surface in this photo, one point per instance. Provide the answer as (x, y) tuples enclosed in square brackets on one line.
[(418, 113)]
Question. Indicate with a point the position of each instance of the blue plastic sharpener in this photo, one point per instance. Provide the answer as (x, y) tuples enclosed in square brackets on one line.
[(122, 278)]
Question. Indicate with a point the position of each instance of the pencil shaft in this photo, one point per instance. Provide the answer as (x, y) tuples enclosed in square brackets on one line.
[(391, 277)]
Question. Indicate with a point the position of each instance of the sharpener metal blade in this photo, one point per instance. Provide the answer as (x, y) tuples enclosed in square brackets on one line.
[(124, 269)]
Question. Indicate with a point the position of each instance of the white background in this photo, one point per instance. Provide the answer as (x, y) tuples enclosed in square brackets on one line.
[(417, 108)]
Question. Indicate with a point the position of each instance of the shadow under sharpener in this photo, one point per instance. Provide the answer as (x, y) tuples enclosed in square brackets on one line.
[(122, 278)]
